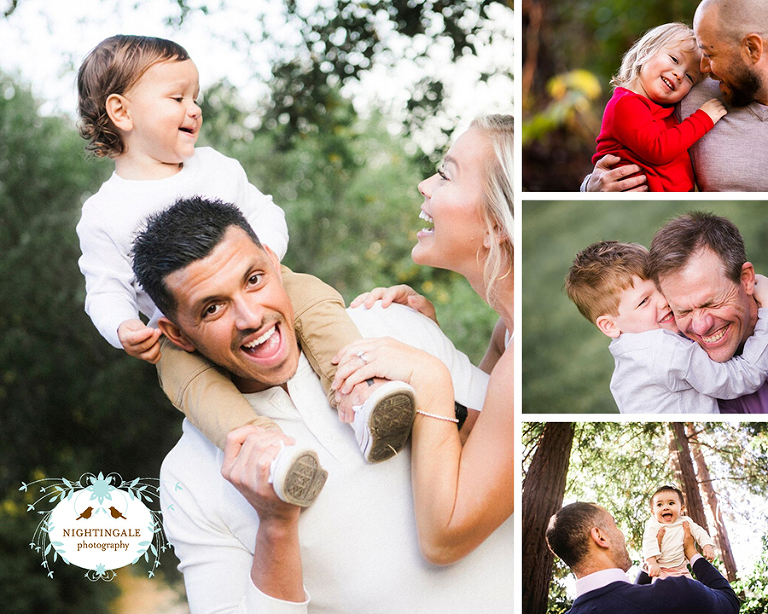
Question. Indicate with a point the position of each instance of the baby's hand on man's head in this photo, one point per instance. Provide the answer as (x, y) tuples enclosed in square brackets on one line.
[(709, 553), (139, 340), (715, 109), (760, 291)]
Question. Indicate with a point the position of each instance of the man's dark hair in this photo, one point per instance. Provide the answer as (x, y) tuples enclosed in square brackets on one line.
[(568, 531), (674, 244), (172, 239), (668, 488)]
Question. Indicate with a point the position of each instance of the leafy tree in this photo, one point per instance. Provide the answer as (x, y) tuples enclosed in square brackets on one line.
[(618, 465), (754, 587), (543, 495), (69, 403)]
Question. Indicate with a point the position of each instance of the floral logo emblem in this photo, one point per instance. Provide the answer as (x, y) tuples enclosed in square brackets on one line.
[(99, 523)]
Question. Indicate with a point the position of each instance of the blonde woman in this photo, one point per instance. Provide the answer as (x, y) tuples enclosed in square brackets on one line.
[(462, 493)]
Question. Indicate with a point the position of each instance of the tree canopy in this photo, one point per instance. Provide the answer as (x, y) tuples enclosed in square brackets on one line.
[(69, 403), (618, 465)]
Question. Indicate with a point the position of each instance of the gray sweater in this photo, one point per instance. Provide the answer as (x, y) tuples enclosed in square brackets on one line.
[(732, 157)]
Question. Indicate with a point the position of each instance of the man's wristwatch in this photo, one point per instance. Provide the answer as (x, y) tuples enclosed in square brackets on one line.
[(461, 414)]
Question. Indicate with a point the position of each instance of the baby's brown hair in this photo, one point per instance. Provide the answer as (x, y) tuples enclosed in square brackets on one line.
[(113, 67)]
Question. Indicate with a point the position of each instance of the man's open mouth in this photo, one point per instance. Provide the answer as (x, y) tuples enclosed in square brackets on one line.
[(265, 346), (717, 336)]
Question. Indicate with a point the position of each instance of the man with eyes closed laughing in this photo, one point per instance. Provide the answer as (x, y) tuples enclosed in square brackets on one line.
[(699, 263)]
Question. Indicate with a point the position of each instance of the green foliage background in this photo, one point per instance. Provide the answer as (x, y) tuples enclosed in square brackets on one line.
[(566, 363), (69, 402), (619, 464)]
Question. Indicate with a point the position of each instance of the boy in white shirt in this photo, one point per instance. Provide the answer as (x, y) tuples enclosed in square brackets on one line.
[(667, 559), (137, 103), (657, 370)]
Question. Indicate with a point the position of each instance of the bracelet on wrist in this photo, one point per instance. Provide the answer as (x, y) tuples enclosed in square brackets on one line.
[(437, 417)]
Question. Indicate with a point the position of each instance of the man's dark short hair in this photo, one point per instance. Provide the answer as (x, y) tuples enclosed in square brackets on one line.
[(673, 245), (172, 239), (568, 531), (668, 488)]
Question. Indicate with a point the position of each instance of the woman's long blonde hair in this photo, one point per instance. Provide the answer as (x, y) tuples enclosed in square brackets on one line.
[(497, 199)]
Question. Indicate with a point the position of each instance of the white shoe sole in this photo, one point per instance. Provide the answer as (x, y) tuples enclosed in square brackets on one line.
[(296, 476), (388, 414)]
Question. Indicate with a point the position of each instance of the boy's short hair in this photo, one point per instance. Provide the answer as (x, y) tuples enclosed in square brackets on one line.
[(601, 272), (668, 488), (112, 67)]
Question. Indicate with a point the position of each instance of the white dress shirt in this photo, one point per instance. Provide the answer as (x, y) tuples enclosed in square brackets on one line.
[(658, 371)]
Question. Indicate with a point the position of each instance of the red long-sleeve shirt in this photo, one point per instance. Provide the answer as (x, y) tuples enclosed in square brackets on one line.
[(642, 132)]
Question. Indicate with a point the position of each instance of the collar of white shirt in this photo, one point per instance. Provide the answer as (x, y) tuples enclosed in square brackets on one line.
[(599, 579), (604, 577)]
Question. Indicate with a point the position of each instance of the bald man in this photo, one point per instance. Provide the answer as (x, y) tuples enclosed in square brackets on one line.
[(586, 538), (733, 38)]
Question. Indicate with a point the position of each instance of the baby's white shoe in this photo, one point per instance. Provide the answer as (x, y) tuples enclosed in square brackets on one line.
[(383, 423), (296, 475)]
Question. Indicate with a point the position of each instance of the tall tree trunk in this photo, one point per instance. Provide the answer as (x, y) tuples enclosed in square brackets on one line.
[(543, 492), (686, 475), (710, 496)]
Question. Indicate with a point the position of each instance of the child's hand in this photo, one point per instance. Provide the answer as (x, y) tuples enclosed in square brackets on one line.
[(709, 553), (715, 109), (654, 570), (761, 290), (405, 295), (139, 340)]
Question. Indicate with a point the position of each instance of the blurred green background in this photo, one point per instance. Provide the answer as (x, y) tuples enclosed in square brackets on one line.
[(570, 51), (566, 363), (345, 175)]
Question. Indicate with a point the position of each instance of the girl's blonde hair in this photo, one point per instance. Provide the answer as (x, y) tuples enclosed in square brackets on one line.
[(648, 46), (497, 199)]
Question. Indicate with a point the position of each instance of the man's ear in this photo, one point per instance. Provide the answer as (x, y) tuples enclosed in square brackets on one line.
[(608, 326), (752, 47), (275, 262), (748, 277), (175, 334), (598, 536), (117, 109)]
